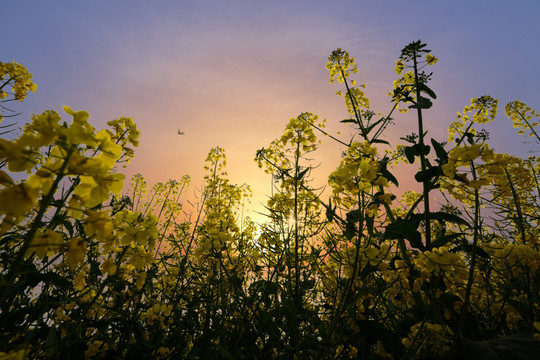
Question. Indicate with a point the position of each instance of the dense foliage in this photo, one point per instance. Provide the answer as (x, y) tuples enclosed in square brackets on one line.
[(86, 269)]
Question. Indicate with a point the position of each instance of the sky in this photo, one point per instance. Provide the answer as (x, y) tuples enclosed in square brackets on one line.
[(232, 73)]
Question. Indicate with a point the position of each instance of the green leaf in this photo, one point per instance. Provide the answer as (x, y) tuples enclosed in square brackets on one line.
[(448, 300), (353, 216), (370, 127), (422, 103), (445, 239), (418, 149), (224, 353), (443, 216), (468, 248), (301, 174), (439, 150), (378, 332), (68, 226), (428, 174), (264, 287), (403, 229), (370, 221), (379, 141), (385, 173), (350, 230), (470, 137), (330, 212), (307, 284), (388, 175), (409, 153), (51, 344), (427, 90)]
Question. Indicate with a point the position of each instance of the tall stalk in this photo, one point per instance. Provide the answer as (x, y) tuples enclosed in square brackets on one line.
[(425, 181), (472, 267)]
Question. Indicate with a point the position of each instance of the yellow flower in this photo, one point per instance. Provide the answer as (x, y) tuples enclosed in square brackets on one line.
[(46, 241), (18, 157), (108, 267), (19, 78), (449, 170), (382, 181), (79, 281), (16, 201), (386, 198), (95, 190), (431, 60), (42, 131), (75, 207), (75, 252), (140, 280), (80, 131), (99, 224), (399, 67)]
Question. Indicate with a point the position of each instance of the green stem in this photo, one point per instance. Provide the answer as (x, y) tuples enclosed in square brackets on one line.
[(470, 279), (425, 182), (43, 206), (529, 125), (354, 106)]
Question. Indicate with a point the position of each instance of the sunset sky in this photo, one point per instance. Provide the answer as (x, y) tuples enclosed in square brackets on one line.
[(232, 73)]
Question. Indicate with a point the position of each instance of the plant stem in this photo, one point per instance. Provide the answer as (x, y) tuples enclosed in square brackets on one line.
[(470, 279), (425, 182)]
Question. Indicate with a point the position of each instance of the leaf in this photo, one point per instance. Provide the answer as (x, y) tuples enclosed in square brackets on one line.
[(388, 175), (418, 149), (427, 90), (415, 219), (404, 229), (385, 173), (428, 174), (264, 286), (409, 153), (301, 174), (443, 216), (68, 226), (353, 216), (445, 239), (370, 127), (51, 344), (470, 137), (224, 353), (370, 220), (350, 230), (439, 150), (448, 300), (422, 103), (307, 284), (379, 141), (468, 248), (378, 332), (330, 212)]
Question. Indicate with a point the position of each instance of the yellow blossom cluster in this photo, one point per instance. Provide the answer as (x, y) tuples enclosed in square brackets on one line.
[(523, 117), (480, 111), (299, 133), (340, 64), (357, 172), (428, 340), (18, 77)]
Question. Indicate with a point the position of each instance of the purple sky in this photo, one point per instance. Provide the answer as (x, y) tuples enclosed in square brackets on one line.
[(231, 73)]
